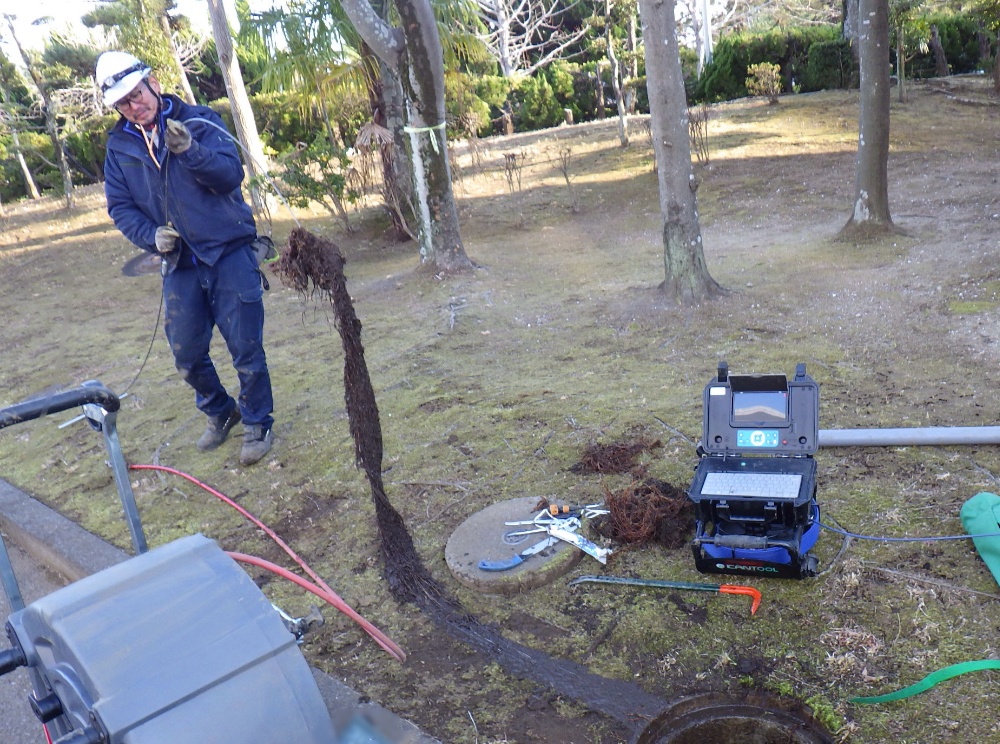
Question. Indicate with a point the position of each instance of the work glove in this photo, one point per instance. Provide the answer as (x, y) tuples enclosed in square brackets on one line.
[(177, 137), (166, 239)]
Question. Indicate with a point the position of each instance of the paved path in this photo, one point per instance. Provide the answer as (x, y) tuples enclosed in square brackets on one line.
[(18, 724)]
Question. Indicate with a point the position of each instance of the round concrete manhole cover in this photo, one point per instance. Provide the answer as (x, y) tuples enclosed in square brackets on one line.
[(486, 536)]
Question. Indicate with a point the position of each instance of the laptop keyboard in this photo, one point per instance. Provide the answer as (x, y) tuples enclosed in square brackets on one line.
[(757, 485)]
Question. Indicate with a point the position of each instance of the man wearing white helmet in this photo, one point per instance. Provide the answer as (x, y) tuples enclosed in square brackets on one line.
[(172, 179)]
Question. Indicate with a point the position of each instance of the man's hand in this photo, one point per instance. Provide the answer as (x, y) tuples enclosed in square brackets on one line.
[(166, 239), (177, 137)]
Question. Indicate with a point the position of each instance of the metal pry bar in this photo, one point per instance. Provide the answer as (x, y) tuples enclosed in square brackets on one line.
[(721, 588)]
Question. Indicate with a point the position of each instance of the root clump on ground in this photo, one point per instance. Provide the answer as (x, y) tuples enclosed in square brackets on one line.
[(647, 511), (617, 457)]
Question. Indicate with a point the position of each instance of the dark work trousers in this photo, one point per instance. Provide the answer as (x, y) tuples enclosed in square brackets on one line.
[(228, 295)]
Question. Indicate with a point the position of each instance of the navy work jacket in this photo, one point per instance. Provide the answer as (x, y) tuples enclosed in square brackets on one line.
[(198, 191)]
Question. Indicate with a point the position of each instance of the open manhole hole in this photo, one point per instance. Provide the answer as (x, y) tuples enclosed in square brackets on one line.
[(751, 718)]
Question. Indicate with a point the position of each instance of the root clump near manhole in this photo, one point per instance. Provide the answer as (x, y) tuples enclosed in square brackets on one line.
[(313, 264), (617, 457), (647, 511)]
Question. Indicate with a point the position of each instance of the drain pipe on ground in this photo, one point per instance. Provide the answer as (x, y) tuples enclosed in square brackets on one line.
[(916, 436)]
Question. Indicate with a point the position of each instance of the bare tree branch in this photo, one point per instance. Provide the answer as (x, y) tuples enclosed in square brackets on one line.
[(519, 30)]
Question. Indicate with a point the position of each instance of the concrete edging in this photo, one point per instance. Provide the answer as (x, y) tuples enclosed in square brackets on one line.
[(51, 539)]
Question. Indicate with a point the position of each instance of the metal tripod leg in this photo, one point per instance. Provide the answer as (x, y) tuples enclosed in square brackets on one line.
[(10, 586), (107, 423)]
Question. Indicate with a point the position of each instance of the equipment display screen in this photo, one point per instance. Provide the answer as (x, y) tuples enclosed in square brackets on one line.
[(759, 407)]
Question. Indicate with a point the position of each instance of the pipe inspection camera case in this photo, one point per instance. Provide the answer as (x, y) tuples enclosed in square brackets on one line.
[(174, 645), (754, 488)]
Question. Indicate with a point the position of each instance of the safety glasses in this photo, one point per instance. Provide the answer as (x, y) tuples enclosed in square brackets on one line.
[(134, 97)]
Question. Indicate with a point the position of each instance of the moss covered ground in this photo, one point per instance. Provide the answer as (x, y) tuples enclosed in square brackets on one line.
[(490, 386)]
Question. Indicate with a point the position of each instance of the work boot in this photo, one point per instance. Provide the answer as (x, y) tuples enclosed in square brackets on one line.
[(257, 441), (218, 430)]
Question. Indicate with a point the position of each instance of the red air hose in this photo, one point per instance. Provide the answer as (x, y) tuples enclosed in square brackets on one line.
[(380, 637), (320, 588)]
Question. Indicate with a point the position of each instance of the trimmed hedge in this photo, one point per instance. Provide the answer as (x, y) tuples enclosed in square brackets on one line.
[(725, 77), (830, 65)]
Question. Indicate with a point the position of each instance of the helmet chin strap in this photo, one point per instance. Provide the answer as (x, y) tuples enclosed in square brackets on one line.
[(159, 105)]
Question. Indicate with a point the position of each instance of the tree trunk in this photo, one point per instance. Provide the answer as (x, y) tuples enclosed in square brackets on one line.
[(901, 62), (395, 198), (616, 78), (870, 214), (414, 50), (441, 245), (633, 65), (507, 117), (599, 92), (51, 118), (687, 279), (29, 180), (394, 108), (239, 102), (983, 42), (850, 27), (52, 127), (705, 32), (996, 70), (508, 66), (698, 35), (940, 60), (181, 74)]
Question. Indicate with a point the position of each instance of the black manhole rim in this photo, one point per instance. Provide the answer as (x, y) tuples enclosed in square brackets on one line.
[(748, 718)]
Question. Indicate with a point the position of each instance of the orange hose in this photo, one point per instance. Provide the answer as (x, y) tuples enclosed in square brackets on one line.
[(320, 588), (380, 638)]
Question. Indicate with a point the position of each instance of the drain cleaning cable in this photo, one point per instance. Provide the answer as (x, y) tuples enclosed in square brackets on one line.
[(319, 588), (845, 533)]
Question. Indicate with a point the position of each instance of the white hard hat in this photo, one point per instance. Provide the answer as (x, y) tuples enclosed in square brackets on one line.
[(117, 74)]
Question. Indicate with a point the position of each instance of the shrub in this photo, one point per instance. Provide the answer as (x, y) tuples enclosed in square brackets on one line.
[(493, 90), (584, 100), (280, 123), (764, 79), (316, 172), (468, 114), (537, 107)]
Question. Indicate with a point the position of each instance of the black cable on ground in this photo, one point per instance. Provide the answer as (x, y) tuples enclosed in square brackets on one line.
[(156, 325)]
